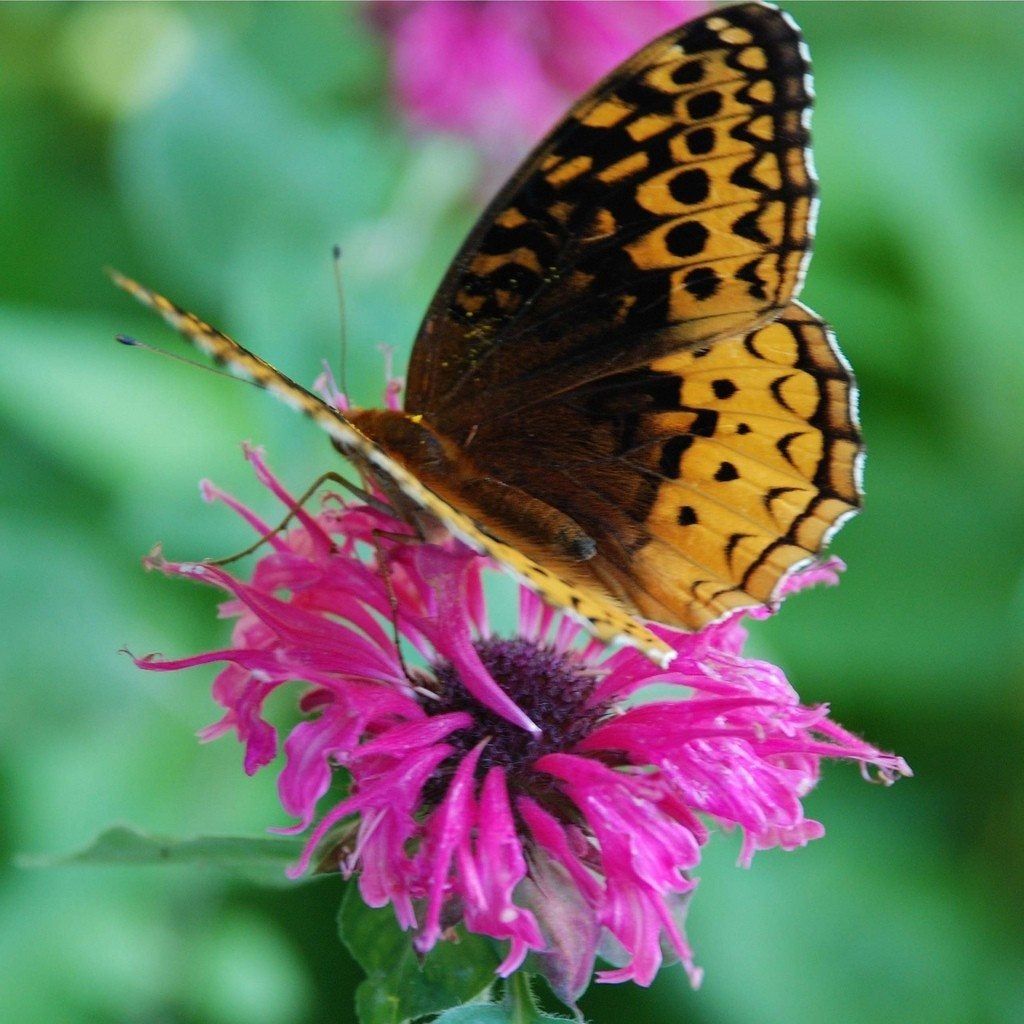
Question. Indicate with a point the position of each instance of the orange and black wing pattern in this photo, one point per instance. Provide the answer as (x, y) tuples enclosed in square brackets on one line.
[(673, 206), (619, 337), (744, 461)]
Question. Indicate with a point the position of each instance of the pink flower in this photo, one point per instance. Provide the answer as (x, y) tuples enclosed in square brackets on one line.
[(502, 73), (571, 841)]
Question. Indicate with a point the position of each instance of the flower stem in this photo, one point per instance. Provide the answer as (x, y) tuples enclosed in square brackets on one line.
[(519, 1000)]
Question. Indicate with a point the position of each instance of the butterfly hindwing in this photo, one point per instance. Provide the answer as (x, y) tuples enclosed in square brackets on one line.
[(751, 475), (704, 477), (673, 205)]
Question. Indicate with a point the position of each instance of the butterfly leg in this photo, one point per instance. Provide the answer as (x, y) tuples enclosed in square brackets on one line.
[(323, 478), (385, 575)]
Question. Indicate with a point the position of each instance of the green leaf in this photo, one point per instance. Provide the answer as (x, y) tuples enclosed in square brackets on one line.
[(399, 986), (482, 1013), (257, 858), (520, 1005)]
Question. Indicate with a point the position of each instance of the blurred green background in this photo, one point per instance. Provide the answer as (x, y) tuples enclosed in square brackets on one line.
[(216, 152)]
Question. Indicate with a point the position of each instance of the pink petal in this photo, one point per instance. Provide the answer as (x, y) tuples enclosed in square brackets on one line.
[(491, 873), (448, 827)]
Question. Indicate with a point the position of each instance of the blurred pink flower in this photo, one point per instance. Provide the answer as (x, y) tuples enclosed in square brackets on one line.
[(502, 73), (573, 841)]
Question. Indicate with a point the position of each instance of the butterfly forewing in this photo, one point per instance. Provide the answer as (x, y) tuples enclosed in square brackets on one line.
[(672, 206)]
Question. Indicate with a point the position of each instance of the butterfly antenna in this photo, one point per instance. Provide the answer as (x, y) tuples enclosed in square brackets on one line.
[(249, 366), (342, 326), (127, 339)]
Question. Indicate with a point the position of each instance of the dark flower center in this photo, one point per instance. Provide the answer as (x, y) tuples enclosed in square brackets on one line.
[(550, 687)]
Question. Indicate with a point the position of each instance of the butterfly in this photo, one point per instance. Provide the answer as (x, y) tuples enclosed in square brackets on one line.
[(614, 392)]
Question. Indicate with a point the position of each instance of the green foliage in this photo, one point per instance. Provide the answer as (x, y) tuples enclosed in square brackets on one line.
[(259, 859), (400, 985), (485, 1013), (517, 1007), (216, 151)]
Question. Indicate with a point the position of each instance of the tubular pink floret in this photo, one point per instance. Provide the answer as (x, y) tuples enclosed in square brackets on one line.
[(510, 785), (446, 575), (314, 532), (489, 875), (211, 493), (447, 829)]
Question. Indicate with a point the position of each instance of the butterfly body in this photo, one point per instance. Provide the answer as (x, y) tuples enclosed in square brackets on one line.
[(614, 392), (498, 506)]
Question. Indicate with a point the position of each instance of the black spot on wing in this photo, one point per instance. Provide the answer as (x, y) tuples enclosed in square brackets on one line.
[(702, 283), (704, 105), (687, 239), (700, 141), (689, 73), (691, 186), (687, 516)]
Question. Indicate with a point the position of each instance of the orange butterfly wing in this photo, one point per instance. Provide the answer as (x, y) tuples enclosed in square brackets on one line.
[(673, 206), (646, 254)]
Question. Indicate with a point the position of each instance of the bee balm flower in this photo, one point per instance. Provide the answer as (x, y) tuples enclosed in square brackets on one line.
[(571, 842)]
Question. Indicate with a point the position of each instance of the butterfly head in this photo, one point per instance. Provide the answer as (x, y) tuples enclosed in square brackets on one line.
[(409, 440)]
